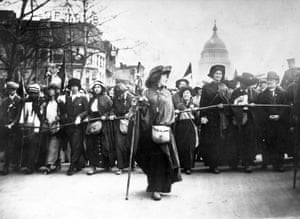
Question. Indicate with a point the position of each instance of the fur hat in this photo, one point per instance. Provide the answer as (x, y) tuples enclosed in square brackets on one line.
[(247, 78), (215, 68), (74, 82), (180, 80)]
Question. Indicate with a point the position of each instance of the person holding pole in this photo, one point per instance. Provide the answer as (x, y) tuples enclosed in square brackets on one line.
[(156, 151)]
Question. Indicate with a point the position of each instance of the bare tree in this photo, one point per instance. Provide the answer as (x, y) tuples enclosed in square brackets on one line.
[(18, 44)]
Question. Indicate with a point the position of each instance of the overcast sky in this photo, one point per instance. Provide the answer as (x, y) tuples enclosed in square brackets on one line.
[(259, 35)]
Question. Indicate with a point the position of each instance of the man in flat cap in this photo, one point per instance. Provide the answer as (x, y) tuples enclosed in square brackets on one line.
[(75, 110), (275, 121), (9, 115)]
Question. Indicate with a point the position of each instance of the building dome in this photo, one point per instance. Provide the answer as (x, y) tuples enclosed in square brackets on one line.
[(214, 46), (214, 53)]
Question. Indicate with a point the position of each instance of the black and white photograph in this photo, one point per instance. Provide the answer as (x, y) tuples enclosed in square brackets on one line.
[(172, 109)]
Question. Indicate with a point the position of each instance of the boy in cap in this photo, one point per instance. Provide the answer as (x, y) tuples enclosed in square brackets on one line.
[(51, 114), (30, 121), (9, 115)]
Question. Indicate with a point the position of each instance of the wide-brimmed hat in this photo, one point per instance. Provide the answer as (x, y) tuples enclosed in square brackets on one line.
[(12, 85), (74, 82), (183, 89), (271, 75), (247, 78), (34, 88), (157, 71), (180, 80), (215, 68), (98, 82)]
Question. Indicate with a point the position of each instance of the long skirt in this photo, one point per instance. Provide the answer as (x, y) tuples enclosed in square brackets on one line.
[(100, 149), (186, 139), (211, 143), (155, 164), (122, 148)]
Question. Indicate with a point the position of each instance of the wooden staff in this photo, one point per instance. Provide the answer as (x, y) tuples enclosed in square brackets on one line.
[(131, 151)]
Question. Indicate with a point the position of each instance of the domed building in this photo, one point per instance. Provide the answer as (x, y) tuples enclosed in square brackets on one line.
[(213, 53)]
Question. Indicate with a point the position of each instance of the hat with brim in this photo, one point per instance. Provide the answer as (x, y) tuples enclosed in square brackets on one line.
[(100, 83), (34, 88), (157, 71), (247, 79), (182, 80), (74, 82), (271, 75), (183, 89), (12, 85), (215, 68)]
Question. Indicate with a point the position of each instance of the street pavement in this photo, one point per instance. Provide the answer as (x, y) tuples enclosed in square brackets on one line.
[(262, 194)]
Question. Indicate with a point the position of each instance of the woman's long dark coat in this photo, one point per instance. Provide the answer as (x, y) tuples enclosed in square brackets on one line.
[(100, 146), (213, 134)]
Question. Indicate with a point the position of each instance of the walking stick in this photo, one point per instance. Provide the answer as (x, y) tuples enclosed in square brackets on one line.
[(131, 153)]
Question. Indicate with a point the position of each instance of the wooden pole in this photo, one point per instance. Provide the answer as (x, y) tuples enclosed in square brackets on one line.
[(131, 153)]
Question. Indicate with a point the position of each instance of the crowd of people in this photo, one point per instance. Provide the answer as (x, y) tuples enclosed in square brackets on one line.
[(223, 123)]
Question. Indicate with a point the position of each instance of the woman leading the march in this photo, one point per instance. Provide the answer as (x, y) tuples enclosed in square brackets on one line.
[(157, 156), (98, 150), (214, 121)]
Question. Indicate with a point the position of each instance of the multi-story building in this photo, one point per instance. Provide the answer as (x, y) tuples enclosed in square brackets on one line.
[(77, 47)]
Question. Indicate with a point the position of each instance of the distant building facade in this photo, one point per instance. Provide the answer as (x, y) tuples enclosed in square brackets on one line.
[(76, 47)]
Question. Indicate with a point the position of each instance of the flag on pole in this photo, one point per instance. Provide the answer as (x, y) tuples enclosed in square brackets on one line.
[(188, 72)]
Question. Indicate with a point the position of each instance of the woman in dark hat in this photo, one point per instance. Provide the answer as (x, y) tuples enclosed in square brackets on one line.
[(214, 121), (99, 142), (186, 134), (243, 137), (121, 105), (158, 160)]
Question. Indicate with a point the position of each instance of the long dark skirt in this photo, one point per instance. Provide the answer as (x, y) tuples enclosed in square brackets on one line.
[(97, 155), (155, 163), (185, 136), (211, 142), (121, 146)]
